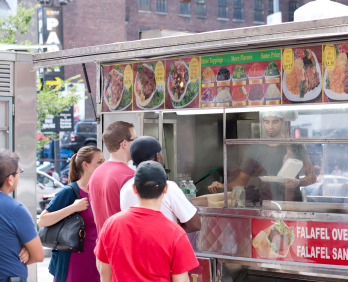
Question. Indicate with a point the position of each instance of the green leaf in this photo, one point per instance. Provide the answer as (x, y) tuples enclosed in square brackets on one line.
[(11, 26)]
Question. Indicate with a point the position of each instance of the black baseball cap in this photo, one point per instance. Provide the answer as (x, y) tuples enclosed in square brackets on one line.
[(150, 171), (144, 148)]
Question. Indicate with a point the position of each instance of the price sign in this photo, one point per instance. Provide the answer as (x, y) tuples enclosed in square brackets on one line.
[(193, 70), (159, 73), (330, 57), (288, 60), (128, 76)]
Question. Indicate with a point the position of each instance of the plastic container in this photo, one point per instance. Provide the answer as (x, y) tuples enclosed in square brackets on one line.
[(191, 191), (183, 187), (238, 197)]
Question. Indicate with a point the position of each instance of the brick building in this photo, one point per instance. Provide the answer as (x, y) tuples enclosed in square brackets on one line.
[(88, 23)]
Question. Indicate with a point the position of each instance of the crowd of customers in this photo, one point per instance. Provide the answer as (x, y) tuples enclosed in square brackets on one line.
[(135, 221)]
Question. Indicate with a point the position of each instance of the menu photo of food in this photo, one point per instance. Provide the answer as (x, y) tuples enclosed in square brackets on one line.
[(256, 94), (182, 83), (302, 78), (256, 72), (117, 88), (240, 95), (208, 74), (273, 94), (223, 96), (208, 96), (335, 72), (273, 242), (239, 75), (149, 85)]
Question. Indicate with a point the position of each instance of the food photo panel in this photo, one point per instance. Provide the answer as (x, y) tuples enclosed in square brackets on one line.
[(117, 88), (182, 83), (335, 68), (149, 85), (241, 79), (208, 86), (302, 74)]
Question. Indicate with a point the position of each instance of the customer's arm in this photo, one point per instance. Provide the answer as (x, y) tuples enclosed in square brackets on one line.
[(182, 208), (36, 252), (24, 255), (183, 277), (193, 225), (49, 218), (105, 272)]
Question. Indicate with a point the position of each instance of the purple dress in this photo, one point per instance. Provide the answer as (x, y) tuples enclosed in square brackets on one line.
[(82, 266)]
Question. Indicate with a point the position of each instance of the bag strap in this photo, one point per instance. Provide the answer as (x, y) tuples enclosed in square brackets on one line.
[(77, 194)]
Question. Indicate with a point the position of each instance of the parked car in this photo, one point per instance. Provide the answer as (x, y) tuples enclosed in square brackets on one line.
[(84, 134), (64, 174), (45, 185), (331, 189)]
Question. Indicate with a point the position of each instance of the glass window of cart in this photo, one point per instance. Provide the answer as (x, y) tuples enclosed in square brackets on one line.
[(299, 156), (193, 148)]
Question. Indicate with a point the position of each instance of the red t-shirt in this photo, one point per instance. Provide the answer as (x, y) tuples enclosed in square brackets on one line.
[(104, 189), (143, 245)]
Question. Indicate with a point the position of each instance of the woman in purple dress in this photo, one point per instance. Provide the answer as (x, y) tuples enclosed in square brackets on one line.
[(75, 267)]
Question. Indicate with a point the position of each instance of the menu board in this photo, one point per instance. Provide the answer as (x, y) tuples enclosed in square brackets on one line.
[(302, 74), (182, 83), (335, 72), (117, 88), (149, 85), (241, 79), (305, 74), (300, 241)]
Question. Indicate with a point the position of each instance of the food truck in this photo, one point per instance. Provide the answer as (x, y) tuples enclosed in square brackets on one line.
[(266, 108)]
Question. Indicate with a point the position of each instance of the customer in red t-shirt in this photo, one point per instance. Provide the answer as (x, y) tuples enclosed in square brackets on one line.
[(140, 243), (107, 180)]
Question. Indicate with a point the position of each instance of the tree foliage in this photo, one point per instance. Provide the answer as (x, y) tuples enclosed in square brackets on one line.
[(12, 25), (51, 101)]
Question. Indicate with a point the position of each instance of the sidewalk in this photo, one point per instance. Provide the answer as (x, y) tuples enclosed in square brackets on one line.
[(42, 271)]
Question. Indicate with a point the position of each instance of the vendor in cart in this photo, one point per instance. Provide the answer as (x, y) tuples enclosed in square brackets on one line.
[(267, 160)]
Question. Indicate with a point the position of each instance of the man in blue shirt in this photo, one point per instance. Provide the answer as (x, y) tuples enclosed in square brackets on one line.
[(19, 243)]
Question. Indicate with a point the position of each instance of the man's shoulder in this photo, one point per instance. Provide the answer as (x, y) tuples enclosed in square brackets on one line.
[(117, 217), (12, 206), (173, 190), (111, 172), (128, 184), (112, 169)]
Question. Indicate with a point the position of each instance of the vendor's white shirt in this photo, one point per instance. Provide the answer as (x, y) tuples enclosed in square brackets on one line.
[(174, 204)]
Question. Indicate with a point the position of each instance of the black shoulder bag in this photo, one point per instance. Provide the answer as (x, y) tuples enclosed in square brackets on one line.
[(66, 235)]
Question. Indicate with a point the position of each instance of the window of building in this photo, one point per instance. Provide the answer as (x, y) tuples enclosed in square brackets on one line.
[(270, 7), (184, 8), (223, 9), (238, 9), (161, 6), (144, 5), (200, 8), (292, 8), (141, 29), (258, 11), (127, 14)]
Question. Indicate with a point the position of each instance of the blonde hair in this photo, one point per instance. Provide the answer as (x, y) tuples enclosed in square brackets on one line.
[(85, 154)]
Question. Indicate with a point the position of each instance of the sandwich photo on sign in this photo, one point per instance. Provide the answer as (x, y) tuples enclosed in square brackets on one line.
[(274, 241)]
